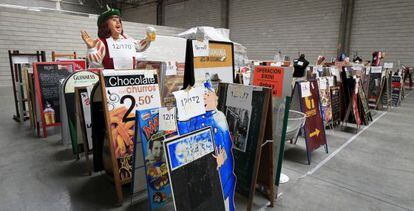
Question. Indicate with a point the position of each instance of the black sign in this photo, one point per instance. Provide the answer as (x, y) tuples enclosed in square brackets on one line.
[(246, 162), (195, 181), (48, 77)]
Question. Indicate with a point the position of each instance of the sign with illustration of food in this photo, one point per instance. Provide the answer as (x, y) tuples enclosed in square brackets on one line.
[(156, 173), (126, 91), (47, 80)]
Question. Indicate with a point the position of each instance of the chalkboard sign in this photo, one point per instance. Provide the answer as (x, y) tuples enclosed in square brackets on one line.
[(76, 79), (47, 76), (365, 111), (335, 103), (374, 87), (195, 181), (396, 90), (246, 109)]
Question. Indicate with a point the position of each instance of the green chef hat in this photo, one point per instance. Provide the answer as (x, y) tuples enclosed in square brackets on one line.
[(110, 12)]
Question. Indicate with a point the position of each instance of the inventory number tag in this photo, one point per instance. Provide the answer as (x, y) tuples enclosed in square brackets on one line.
[(167, 119), (190, 103)]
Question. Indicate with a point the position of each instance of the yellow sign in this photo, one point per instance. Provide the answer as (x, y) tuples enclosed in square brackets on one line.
[(315, 133), (220, 55)]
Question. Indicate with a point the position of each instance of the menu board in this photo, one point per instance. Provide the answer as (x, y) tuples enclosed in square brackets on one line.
[(124, 92), (335, 104), (47, 76), (76, 79), (396, 90), (195, 181)]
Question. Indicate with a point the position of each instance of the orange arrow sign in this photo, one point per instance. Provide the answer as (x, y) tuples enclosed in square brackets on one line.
[(315, 133)]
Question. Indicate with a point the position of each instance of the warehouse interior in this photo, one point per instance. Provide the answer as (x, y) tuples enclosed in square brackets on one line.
[(367, 167)]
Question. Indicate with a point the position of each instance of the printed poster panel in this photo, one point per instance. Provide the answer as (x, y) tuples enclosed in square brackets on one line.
[(218, 65), (325, 95), (86, 110), (80, 64), (314, 127), (156, 173), (125, 92), (269, 77), (195, 181), (238, 114)]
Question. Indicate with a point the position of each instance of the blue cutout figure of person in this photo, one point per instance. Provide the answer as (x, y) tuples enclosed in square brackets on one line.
[(224, 156)]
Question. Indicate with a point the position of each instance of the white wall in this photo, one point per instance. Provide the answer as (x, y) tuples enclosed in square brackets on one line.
[(28, 31), (385, 26)]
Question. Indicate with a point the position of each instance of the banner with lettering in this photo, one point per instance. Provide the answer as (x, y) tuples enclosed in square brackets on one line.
[(125, 92), (314, 127)]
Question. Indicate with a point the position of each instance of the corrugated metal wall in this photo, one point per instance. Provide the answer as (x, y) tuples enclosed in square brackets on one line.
[(385, 26), (192, 13), (264, 26), (143, 14), (28, 31)]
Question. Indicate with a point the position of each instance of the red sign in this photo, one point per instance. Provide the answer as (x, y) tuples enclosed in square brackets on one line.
[(355, 109), (314, 128), (268, 76), (80, 64)]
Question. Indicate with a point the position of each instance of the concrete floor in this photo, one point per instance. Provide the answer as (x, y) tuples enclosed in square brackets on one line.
[(373, 171)]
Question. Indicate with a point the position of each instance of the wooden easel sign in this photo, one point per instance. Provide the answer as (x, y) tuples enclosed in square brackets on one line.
[(247, 109), (47, 76), (195, 181), (315, 137), (124, 92)]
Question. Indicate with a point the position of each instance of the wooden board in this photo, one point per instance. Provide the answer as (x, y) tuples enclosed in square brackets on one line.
[(47, 80), (193, 172), (310, 105), (247, 124)]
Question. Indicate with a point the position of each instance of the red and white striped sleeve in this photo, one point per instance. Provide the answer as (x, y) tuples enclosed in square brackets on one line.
[(96, 54)]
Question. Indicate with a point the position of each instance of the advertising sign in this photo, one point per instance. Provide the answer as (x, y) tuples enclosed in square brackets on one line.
[(314, 127), (193, 172), (124, 92), (47, 76), (219, 65), (151, 152), (269, 77), (76, 79)]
